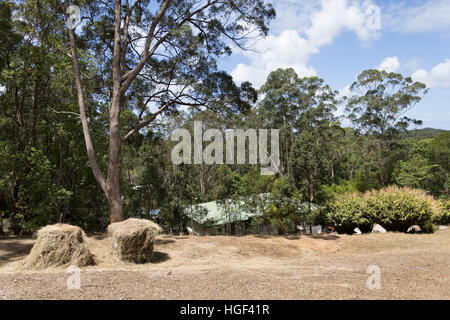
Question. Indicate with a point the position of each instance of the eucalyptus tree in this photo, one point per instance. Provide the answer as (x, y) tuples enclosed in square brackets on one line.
[(308, 163), (293, 104), (43, 173), (153, 58), (378, 106)]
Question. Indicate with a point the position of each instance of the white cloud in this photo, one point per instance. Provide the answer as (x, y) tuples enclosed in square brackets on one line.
[(291, 48), (431, 15), (2, 89), (412, 64), (389, 64), (337, 16), (438, 76), (292, 14), (288, 50)]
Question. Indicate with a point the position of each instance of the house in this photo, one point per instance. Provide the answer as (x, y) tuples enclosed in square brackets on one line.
[(235, 216), (219, 217)]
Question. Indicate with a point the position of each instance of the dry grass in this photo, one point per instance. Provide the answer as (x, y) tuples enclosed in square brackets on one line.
[(133, 239), (59, 245), (250, 267)]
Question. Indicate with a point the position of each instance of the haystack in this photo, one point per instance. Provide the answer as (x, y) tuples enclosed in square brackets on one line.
[(133, 239), (58, 245)]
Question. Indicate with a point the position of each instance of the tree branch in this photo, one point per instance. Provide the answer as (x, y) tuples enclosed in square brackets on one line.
[(147, 122)]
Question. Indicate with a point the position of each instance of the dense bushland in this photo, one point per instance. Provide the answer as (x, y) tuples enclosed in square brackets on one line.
[(46, 175)]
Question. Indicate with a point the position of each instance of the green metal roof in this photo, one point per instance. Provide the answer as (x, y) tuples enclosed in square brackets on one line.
[(218, 212), (221, 212)]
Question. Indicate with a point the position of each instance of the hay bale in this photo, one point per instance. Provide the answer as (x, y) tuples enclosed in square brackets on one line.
[(58, 245), (133, 239)]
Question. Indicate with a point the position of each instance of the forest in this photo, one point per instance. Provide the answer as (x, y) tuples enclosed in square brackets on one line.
[(87, 144)]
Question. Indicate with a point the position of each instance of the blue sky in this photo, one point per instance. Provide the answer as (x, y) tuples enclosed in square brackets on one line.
[(337, 39)]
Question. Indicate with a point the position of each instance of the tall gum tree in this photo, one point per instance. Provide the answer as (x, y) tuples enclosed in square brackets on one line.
[(157, 56), (294, 105), (378, 106)]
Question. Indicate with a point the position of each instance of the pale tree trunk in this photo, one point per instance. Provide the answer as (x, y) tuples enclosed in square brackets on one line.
[(115, 201), (121, 82), (87, 136), (382, 165), (311, 187), (311, 197), (332, 169)]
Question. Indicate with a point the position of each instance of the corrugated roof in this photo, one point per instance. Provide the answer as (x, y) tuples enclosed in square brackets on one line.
[(226, 211), (218, 212)]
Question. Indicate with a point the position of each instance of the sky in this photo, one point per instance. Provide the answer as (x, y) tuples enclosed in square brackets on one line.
[(338, 39)]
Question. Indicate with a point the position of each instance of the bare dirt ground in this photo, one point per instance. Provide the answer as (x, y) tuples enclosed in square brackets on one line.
[(250, 267)]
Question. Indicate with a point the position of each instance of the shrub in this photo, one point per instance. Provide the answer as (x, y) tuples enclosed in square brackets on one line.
[(348, 212), (443, 216), (396, 209), (428, 227)]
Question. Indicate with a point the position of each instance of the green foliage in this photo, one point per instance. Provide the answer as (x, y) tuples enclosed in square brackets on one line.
[(414, 172), (40, 204), (254, 183), (348, 212), (423, 164), (378, 101), (285, 206), (443, 217), (396, 209), (428, 227), (335, 190), (379, 98), (45, 175), (280, 217), (258, 222), (424, 133), (293, 105)]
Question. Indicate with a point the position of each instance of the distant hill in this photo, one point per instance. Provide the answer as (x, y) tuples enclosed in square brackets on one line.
[(425, 133)]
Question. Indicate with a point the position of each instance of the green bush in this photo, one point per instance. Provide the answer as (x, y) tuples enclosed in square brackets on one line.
[(396, 209), (428, 227), (443, 217), (348, 212)]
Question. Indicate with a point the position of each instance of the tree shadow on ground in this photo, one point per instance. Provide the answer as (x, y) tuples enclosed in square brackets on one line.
[(293, 237), (13, 250), (264, 236), (98, 235), (163, 241), (322, 236), (159, 257), (298, 236)]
